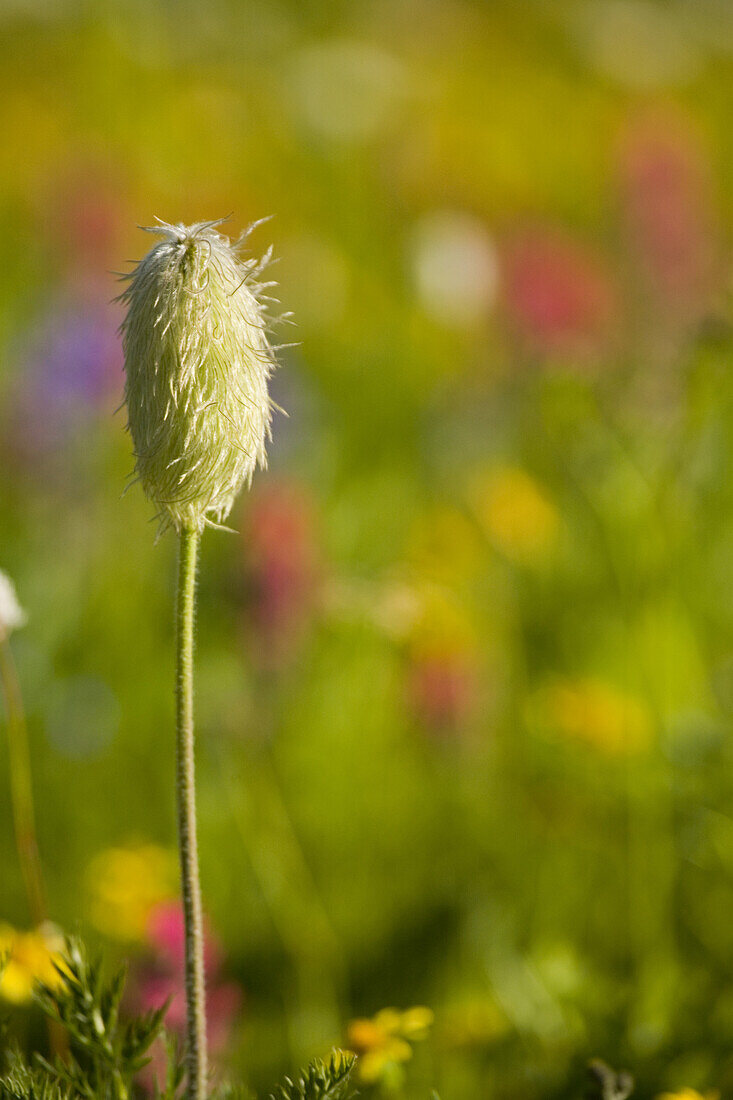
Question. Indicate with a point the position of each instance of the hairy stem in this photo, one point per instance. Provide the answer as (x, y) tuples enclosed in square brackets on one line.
[(186, 792), (21, 787)]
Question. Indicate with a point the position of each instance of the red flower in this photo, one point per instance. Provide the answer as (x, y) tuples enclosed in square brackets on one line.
[(558, 296), (442, 691), (280, 542), (163, 978), (667, 204)]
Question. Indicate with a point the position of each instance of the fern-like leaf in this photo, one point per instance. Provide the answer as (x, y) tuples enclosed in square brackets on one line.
[(321, 1080), (20, 1082)]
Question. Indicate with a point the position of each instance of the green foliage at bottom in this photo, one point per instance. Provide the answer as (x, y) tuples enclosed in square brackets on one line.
[(105, 1054), (321, 1081)]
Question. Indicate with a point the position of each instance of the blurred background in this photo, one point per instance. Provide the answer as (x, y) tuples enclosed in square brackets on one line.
[(465, 674)]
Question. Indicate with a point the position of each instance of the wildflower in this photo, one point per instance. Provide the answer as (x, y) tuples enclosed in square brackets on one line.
[(591, 711), (558, 297), (445, 545), (383, 1042), (515, 512), (442, 690), (12, 614), (455, 268), (474, 1022), (668, 210), (392, 606), (162, 978), (71, 367), (197, 363), (689, 1094), (281, 547), (29, 958), (125, 884)]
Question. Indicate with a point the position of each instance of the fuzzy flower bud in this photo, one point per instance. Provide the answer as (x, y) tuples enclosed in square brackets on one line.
[(197, 363), (12, 614)]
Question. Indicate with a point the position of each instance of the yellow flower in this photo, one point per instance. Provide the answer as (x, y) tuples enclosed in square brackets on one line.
[(444, 544), (515, 512), (29, 957), (443, 625), (591, 711), (689, 1094), (382, 1041), (125, 884)]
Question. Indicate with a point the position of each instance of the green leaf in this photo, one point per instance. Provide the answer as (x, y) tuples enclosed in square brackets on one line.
[(321, 1080)]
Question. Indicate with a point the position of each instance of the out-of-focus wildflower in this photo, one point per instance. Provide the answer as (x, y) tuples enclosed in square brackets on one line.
[(444, 544), (640, 44), (689, 1094), (667, 204), (12, 614), (474, 1022), (125, 884), (444, 623), (442, 669), (383, 1042), (281, 547), (442, 691), (163, 976), (595, 713), (88, 217), (392, 606), (369, 80), (559, 298), (29, 958), (71, 365), (515, 512), (455, 267)]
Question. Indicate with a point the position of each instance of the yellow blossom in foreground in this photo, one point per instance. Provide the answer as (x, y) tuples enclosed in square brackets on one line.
[(29, 958), (594, 712), (125, 884), (689, 1094), (515, 512), (383, 1042)]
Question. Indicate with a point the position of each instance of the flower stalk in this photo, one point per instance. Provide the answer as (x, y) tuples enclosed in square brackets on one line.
[(197, 363), (21, 786), (186, 802)]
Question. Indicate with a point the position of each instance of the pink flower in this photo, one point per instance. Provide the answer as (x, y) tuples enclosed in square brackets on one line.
[(167, 936), (558, 296), (280, 543), (442, 691), (665, 188), (163, 979)]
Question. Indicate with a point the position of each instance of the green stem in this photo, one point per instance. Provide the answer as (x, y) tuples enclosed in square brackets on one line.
[(186, 792), (21, 787)]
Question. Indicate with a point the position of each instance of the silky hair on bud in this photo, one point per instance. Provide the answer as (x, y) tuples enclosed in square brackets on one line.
[(197, 363)]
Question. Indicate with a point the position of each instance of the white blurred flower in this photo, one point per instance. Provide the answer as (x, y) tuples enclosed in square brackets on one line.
[(12, 614), (640, 44), (455, 267), (391, 606), (345, 90)]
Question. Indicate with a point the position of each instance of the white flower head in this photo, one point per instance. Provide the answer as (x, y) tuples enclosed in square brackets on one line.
[(12, 614), (197, 363)]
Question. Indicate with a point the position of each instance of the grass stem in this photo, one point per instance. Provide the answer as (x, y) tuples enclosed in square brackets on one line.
[(21, 786)]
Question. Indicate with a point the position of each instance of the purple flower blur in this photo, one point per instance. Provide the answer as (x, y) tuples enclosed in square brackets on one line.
[(71, 367)]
